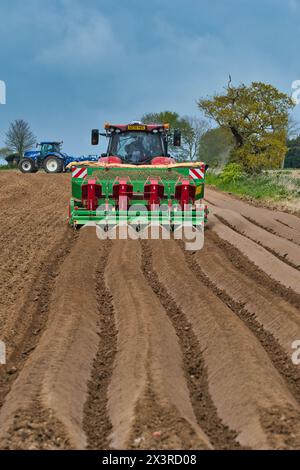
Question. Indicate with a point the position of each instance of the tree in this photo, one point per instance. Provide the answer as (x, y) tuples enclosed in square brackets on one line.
[(293, 128), (292, 159), (4, 152), (192, 128), (215, 146), (192, 131), (19, 137), (265, 152), (257, 116), (164, 117)]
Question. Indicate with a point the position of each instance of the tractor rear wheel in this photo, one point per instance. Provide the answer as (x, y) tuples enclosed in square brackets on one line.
[(53, 164), (27, 165)]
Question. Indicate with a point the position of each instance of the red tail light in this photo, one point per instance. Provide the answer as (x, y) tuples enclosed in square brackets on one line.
[(90, 193)]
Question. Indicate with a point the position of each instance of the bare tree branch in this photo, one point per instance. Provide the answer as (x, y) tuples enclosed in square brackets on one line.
[(19, 137)]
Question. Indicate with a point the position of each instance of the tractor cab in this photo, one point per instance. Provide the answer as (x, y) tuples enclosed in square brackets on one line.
[(136, 143), (49, 147)]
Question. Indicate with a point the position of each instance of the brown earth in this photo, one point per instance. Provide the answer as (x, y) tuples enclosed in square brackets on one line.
[(141, 344)]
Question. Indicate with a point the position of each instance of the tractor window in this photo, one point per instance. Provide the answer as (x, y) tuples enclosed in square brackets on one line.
[(136, 147), (55, 148), (44, 149), (49, 148)]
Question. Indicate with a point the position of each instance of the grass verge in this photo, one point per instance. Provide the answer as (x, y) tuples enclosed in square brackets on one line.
[(272, 185)]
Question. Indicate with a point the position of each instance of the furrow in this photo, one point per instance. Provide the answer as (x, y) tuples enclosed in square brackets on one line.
[(243, 383), (148, 365)]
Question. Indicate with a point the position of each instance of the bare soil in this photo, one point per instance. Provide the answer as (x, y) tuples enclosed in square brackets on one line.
[(140, 344)]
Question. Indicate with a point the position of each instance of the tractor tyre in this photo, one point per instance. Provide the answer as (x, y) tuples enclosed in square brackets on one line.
[(27, 165), (53, 164)]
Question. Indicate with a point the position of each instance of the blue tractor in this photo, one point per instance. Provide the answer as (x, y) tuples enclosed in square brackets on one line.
[(50, 157)]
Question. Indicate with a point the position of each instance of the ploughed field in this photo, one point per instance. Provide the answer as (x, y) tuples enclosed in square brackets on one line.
[(142, 344)]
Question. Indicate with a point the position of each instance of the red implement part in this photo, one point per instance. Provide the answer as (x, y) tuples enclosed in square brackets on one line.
[(90, 193), (153, 191), (162, 161), (185, 193), (122, 192), (110, 159)]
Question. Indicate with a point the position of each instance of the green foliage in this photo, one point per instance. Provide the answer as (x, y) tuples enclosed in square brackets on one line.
[(273, 185), (292, 159), (192, 129), (264, 153), (175, 122), (163, 117), (215, 146), (232, 172), (257, 117)]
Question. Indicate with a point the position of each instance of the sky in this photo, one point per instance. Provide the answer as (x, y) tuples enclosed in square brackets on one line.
[(71, 65)]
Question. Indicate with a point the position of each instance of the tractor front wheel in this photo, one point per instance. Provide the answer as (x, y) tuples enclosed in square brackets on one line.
[(53, 165), (26, 165)]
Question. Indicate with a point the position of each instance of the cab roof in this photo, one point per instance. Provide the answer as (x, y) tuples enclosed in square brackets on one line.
[(57, 143)]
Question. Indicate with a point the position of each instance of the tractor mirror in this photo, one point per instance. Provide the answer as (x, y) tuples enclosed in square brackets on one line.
[(95, 137), (177, 138)]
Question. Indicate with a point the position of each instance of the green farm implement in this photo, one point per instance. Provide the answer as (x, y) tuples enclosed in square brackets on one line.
[(137, 182)]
